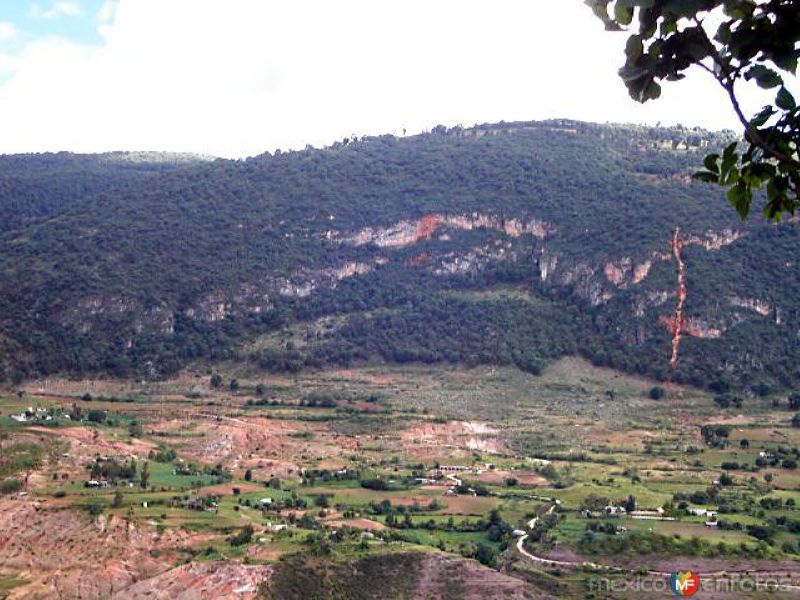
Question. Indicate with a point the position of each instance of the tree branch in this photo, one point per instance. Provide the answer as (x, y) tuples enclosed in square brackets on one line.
[(728, 81)]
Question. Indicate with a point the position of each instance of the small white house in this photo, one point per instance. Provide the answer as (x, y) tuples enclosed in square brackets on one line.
[(615, 511), (702, 512)]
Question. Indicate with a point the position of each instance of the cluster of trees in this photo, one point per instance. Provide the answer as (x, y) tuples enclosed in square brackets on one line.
[(715, 436), (729, 400), (314, 476), (636, 543), (386, 508), (496, 530), (163, 454), (243, 536), (112, 470)]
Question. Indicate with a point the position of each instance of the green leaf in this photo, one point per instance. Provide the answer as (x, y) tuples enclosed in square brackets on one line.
[(785, 100), (632, 75), (600, 9), (763, 171), (765, 77), (729, 158), (739, 10), (706, 177), (786, 61), (710, 163), (652, 91), (740, 197), (634, 47), (623, 14), (668, 27), (762, 117), (723, 35)]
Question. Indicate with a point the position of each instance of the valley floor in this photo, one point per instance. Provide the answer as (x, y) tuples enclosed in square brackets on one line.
[(389, 482)]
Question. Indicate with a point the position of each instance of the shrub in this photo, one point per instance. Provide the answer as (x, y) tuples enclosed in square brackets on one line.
[(135, 428), (163, 454), (374, 484), (10, 486), (728, 400), (486, 554), (94, 507), (243, 537), (96, 416), (307, 522)]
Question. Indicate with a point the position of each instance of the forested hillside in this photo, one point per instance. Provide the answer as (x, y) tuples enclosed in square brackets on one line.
[(509, 243)]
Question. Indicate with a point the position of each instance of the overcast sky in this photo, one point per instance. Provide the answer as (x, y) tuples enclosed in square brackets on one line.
[(238, 77)]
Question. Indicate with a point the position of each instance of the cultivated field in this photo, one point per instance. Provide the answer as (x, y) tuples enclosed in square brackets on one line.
[(223, 486)]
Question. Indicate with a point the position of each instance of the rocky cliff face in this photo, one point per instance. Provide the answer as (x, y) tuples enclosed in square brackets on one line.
[(596, 282), (407, 233)]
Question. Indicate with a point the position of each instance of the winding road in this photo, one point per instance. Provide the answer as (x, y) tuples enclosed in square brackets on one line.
[(607, 568)]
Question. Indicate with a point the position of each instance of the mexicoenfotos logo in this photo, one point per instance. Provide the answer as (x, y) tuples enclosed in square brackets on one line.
[(684, 584)]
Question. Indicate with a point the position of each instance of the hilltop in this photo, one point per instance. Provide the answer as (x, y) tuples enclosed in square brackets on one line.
[(512, 243)]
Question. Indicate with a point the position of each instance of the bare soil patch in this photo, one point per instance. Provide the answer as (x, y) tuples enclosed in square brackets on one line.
[(218, 580), (66, 554)]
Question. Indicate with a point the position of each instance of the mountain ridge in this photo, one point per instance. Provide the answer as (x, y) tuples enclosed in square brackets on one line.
[(139, 274)]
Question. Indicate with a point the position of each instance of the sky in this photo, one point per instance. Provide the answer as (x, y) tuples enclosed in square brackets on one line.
[(235, 78)]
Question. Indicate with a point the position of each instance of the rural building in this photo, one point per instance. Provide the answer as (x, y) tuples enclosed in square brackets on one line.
[(702, 512), (650, 515), (193, 504), (615, 511), (93, 483)]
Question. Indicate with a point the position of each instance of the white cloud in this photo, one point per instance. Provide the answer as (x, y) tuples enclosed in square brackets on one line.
[(106, 13), (237, 77), (59, 8), (8, 32)]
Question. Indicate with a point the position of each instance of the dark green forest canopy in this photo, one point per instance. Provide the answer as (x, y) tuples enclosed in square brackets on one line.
[(138, 268)]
